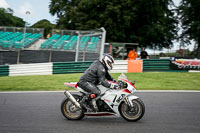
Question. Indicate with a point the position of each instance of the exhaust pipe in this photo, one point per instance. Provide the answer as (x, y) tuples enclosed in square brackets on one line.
[(72, 99)]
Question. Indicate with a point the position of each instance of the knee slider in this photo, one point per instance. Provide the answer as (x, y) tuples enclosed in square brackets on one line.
[(92, 96)]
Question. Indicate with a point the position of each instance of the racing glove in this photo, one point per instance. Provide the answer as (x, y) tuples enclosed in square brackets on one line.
[(114, 86), (114, 80)]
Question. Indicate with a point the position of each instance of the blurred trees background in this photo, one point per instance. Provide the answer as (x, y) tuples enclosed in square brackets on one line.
[(189, 16), (152, 23), (7, 18), (147, 22), (46, 24)]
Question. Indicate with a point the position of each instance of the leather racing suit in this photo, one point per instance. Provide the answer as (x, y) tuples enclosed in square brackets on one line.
[(97, 73)]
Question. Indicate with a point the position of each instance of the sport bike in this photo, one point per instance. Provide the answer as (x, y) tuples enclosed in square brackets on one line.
[(118, 102)]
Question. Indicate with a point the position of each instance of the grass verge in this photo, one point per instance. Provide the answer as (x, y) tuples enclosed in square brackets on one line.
[(144, 81)]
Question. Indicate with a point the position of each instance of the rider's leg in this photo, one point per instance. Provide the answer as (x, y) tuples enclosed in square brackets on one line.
[(91, 89), (94, 95)]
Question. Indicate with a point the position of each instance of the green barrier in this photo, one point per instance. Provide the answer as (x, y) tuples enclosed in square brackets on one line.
[(4, 70), (156, 65), (70, 67)]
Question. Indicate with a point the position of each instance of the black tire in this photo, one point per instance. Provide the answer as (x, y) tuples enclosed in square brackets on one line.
[(132, 114), (67, 109)]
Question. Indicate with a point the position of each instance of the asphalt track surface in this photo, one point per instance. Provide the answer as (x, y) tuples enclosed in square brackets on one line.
[(166, 112)]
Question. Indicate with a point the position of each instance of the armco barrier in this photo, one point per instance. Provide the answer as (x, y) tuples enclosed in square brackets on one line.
[(70, 67), (4, 70), (120, 66), (156, 65), (30, 69), (79, 67)]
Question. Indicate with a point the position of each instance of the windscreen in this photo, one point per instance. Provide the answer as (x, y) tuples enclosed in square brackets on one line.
[(123, 76)]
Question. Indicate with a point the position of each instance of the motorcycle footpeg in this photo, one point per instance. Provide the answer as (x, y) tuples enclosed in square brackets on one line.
[(95, 105), (90, 110), (86, 108)]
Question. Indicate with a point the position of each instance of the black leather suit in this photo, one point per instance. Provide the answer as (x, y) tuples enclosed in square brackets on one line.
[(97, 73)]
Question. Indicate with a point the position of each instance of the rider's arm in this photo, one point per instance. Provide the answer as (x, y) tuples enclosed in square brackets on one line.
[(108, 76), (101, 72)]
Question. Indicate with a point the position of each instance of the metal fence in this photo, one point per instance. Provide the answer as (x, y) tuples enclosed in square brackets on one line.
[(22, 29), (41, 56), (88, 46), (88, 42)]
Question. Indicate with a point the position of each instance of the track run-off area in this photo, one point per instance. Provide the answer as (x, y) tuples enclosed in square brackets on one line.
[(39, 112)]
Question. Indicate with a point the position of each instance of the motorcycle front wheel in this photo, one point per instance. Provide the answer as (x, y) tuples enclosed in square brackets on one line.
[(134, 113), (70, 111)]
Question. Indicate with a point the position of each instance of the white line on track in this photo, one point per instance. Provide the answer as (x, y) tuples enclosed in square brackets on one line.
[(15, 92)]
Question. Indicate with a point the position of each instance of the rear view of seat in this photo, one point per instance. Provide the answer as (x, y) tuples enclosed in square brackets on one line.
[(48, 43), (83, 42), (29, 39), (17, 39), (59, 44), (92, 45), (71, 44)]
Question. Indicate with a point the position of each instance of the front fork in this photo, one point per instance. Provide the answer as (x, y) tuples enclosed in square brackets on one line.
[(128, 100)]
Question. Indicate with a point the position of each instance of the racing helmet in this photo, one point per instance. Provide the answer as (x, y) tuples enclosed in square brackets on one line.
[(108, 61)]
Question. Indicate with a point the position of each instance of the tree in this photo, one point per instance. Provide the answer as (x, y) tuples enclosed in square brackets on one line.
[(44, 24), (147, 22), (189, 13), (7, 18)]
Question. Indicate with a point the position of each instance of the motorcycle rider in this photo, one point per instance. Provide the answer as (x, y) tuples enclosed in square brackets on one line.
[(96, 74)]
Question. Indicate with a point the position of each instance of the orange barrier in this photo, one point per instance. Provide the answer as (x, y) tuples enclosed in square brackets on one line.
[(135, 65)]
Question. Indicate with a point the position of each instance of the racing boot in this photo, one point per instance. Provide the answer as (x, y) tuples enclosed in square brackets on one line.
[(94, 103), (84, 104)]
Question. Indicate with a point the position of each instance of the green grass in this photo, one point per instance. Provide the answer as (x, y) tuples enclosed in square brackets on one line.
[(144, 81)]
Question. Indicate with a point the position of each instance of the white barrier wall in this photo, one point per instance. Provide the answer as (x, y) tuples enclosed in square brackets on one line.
[(31, 69), (120, 66)]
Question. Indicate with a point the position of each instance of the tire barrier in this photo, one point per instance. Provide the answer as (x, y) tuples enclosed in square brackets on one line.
[(4, 70)]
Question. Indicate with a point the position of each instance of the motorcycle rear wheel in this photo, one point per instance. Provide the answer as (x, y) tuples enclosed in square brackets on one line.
[(134, 113), (70, 111)]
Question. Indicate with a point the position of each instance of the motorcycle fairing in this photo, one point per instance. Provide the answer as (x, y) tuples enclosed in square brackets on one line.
[(113, 98)]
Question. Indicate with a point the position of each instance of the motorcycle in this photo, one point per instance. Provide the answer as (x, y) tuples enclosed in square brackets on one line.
[(120, 102)]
